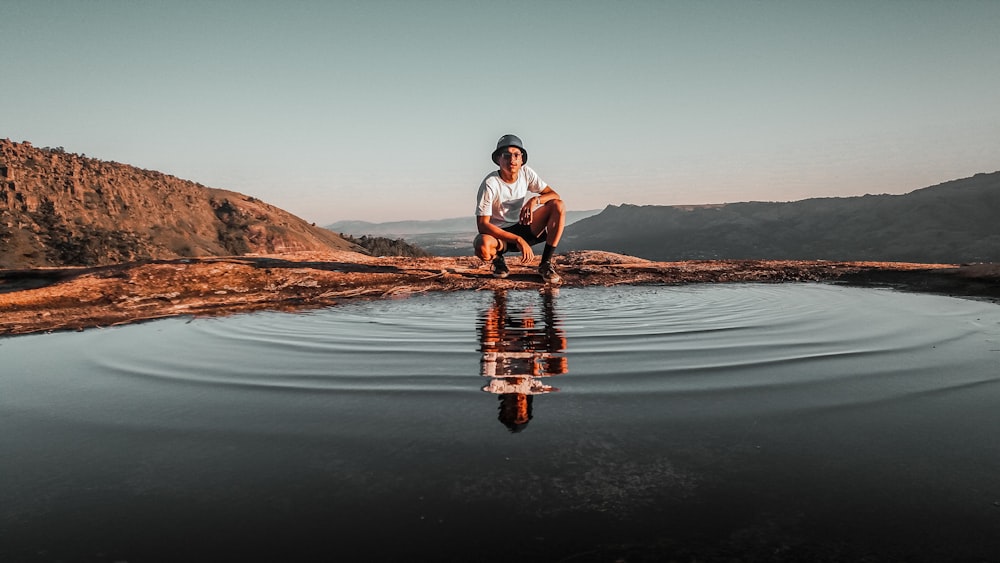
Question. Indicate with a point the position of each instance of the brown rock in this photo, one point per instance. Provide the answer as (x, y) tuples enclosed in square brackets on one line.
[(74, 298)]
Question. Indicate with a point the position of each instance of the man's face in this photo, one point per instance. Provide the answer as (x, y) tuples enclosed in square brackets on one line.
[(511, 159)]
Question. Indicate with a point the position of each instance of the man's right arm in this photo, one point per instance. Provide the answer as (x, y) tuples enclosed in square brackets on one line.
[(485, 227)]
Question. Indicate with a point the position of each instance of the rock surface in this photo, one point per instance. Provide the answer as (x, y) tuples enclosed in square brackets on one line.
[(47, 299)]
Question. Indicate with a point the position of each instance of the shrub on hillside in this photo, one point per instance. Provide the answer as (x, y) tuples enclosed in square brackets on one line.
[(381, 246)]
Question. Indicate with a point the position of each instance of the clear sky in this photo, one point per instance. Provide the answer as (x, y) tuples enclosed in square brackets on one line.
[(385, 111)]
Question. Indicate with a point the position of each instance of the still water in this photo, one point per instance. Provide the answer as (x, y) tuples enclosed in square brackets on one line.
[(776, 422)]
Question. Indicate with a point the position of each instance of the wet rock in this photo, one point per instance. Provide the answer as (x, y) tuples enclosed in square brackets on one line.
[(46, 299)]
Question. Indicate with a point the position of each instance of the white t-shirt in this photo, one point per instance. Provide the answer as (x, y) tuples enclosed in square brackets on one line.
[(502, 202)]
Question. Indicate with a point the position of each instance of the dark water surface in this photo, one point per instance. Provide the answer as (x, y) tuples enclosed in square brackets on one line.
[(717, 423)]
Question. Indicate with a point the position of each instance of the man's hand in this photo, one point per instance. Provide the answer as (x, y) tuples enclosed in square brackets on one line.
[(526, 212), (527, 255)]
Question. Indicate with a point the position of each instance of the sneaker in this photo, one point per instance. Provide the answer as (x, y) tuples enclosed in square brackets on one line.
[(500, 269), (548, 273)]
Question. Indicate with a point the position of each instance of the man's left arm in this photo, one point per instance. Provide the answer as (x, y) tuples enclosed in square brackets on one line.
[(546, 195)]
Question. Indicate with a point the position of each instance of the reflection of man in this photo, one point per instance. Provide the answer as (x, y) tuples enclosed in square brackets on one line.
[(516, 209), (517, 351)]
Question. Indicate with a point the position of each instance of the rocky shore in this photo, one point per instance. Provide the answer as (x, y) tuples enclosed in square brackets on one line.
[(50, 299)]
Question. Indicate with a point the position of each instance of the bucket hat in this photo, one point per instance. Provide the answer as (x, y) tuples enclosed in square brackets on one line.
[(509, 141)]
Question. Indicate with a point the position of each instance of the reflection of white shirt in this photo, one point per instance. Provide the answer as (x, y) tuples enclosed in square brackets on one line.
[(502, 202), (509, 363), (523, 386)]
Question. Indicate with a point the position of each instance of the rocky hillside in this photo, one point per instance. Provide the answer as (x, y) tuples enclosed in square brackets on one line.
[(952, 222), (59, 208)]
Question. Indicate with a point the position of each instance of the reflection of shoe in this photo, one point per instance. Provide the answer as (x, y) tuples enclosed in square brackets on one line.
[(500, 269), (548, 273)]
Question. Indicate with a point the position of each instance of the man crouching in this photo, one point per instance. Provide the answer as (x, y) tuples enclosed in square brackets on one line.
[(517, 209)]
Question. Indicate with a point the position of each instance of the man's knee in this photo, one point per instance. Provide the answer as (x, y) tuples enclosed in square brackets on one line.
[(479, 246), (557, 206), (549, 211), (485, 246)]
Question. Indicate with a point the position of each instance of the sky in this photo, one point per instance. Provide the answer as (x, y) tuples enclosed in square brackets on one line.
[(384, 111)]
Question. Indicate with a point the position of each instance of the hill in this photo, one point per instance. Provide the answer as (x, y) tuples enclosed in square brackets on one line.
[(951, 222), (59, 209)]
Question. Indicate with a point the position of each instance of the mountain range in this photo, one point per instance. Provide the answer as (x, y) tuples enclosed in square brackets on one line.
[(956, 221), (59, 208)]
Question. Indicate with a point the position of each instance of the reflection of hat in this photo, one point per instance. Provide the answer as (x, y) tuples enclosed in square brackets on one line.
[(514, 411), (509, 141)]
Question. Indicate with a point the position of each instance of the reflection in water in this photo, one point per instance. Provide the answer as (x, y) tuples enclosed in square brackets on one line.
[(518, 349), (717, 422)]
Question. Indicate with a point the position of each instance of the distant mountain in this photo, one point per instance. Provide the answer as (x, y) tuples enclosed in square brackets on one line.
[(59, 208), (441, 237), (402, 228), (953, 222)]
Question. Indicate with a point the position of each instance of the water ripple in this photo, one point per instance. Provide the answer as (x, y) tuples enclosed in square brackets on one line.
[(815, 343)]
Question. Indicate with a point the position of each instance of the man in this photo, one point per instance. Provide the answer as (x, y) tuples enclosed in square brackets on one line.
[(517, 210)]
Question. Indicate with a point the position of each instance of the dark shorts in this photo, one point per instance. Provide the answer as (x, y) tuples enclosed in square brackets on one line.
[(524, 231)]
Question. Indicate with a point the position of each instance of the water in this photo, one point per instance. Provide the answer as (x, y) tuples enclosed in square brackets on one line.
[(768, 422)]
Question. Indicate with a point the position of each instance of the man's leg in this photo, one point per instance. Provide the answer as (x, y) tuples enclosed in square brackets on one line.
[(490, 249), (487, 247), (550, 218)]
